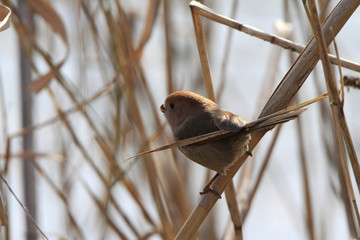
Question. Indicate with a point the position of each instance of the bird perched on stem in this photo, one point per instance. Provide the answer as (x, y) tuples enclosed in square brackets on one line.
[(190, 114), (212, 136)]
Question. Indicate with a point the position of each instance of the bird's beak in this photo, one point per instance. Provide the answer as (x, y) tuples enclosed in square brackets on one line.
[(162, 108)]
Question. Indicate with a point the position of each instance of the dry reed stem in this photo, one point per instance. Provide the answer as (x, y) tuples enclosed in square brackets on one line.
[(234, 210), (169, 193), (89, 160), (98, 136), (352, 82), (3, 210), (355, 216), (118, 173), (342, 167), (23, 207), (152, 175), (225, 58), (204, 60), (7, 154), (342, 92), (48, 13), (107, 151), (246, 208), (279, 41), (342, 132), (151, 171), (128, 71), (134, 67), (43, 9), (173, 187), (33, 154), (350, 200), (286, 90), (74, 224), (136, 196), (5, 14), (80, 106), (168, 46), (305, 175), (100, 206), (22, 29), (244, 180), (309, 218), (309, 57), (151, 15), (75, 138)]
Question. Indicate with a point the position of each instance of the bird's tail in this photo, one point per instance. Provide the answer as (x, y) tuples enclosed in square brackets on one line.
[(270, 121)]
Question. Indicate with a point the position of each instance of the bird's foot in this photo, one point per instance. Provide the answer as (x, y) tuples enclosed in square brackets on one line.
[(210, 189), (248, 151)]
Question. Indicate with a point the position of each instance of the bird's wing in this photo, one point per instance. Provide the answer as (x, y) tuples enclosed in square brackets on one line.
[(225, 120)]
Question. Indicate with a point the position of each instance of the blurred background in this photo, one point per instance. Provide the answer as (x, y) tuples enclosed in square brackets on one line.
[(80, 87)]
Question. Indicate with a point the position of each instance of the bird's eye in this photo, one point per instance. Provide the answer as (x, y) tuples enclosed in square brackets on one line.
[(172, 105)]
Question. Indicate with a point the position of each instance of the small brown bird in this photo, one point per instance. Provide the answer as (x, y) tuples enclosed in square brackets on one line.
[(190, 115), (212, 136)]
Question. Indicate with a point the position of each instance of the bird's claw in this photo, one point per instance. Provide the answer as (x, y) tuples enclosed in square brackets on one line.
[(210, 189), (248, 151)]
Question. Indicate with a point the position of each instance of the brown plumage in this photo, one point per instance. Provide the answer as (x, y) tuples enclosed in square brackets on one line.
[(190, 115)]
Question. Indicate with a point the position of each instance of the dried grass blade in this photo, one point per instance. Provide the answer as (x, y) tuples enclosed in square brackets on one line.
[(291, 111), (3, 211), (7, 154), (5, 14), (127, 182), (32, 154), (168, 46), (79, 106), (23, 207), (63, 197), (342, 93), (100, 206), (245, 209), (304, 104), (75, 139), (334, 97), (355, 216), (185, 142), (136, 196), (129, 66), (166, 231), (46, 10), (342, 132), (37, 85), (129, 185), (306, 183), (234, 210), (152, 13)]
